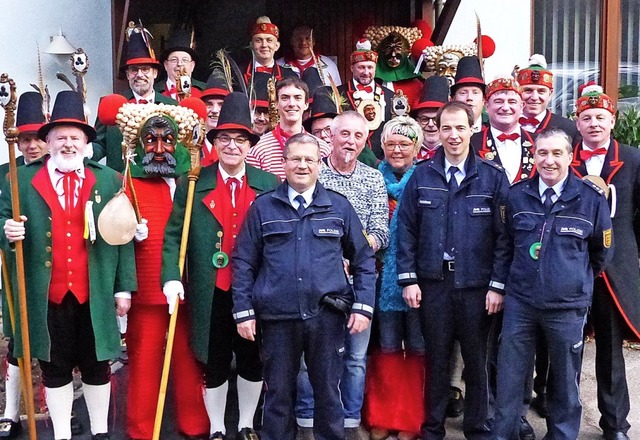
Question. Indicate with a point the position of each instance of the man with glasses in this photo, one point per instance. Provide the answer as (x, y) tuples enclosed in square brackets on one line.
[(445, 266), (435, 94), (179, 56), (292, 95), (288, 273), (364, 187), (223, 194), (141, 70)]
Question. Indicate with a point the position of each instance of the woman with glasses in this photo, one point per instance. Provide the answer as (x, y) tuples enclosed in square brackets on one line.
[(395, 373)]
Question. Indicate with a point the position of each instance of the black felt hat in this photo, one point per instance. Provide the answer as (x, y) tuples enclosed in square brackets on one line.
[(216, 85), (469, 73), (434, 94), (323, 106), (180, 40), (138, 53), (68, 110), (235, 114), (30, 117), (311, 77)]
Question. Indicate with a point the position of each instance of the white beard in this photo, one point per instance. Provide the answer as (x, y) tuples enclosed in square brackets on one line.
[(65, 165)]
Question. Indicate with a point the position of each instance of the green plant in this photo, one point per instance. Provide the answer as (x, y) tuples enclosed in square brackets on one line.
[(627, 129)]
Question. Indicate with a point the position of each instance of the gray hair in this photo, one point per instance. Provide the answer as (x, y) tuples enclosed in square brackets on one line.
[(405, 126), (555, 132), (349, 114)]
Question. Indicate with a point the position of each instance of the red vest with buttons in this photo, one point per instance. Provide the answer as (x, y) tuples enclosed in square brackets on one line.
[(154, 201), (69, 257), (230, 218)]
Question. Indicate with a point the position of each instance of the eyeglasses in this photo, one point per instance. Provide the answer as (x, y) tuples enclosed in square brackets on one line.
[(135, 69), (239, 142), (424, 120), (404, 146), (175, 60), (297, 160), (318, 132)]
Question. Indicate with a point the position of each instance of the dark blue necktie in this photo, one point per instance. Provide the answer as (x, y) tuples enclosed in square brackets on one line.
[(300, 201), (548, 203), (453, 185)]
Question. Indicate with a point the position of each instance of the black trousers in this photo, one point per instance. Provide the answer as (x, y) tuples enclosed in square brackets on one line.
[(448, 314), (224, 341), (73, 345), (613, 393)]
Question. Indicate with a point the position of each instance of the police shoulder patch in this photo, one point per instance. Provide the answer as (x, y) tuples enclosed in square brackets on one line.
[(607, 238), (593, 186)]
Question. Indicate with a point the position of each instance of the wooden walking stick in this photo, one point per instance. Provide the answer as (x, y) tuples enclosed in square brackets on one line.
[(194, 144), (8, 102)]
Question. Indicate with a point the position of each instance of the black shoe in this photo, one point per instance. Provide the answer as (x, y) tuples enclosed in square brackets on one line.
[(615, 435), (103, 436), (217, 436), (540, 405), (9, 428), (526, 431), (247, 434), (455, 406)]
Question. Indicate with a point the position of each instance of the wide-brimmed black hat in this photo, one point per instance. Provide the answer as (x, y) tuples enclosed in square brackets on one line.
[(30, 116), (138, 53), (323, 106), (434, 94), (311, 77), (469, 73), (235, 114), (216, 85), (68, 110), (180, 40)]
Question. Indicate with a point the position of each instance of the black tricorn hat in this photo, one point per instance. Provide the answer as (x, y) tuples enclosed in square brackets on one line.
[(180, 40), (434, 94), (68, 110), (323, 106), (235, 114), (138, 53), (468, 73), (216, 85), (311, 77), (30, 117)]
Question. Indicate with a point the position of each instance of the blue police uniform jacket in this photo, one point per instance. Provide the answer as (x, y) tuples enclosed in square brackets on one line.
[(576, 244), (478, 229), (284, 263)]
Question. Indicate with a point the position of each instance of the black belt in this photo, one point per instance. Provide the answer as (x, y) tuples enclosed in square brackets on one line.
[(449, 265)]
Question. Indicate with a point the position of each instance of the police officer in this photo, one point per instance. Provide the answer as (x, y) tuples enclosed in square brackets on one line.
[(445, 266), (288, 273), (559, 231)]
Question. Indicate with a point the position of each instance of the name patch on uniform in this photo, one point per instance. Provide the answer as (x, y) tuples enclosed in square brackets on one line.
[(329, 231), (571, 230), (424, 202), (482, 210), (606, 238)]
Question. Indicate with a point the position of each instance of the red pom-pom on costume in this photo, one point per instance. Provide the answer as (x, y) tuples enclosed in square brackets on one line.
[(488, 46), (197, 105), (419, 46), (109, 107), (424, 27)]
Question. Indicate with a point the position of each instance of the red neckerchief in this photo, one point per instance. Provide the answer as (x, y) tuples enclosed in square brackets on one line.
[(426, 153), (281, 136), (301, 67)]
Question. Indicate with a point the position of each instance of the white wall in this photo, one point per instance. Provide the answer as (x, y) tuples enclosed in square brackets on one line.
[(85, 23), (508, 22)]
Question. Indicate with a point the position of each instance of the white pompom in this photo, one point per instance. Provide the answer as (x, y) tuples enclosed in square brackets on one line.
[(592, 89), (263, 19), (363, 44), (538, 60)]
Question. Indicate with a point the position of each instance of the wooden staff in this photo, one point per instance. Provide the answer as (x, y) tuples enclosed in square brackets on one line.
[(8, 102), (194, 173)]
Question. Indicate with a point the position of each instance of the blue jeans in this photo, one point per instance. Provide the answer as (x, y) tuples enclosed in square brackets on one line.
[(351, 384), (398, 327), (563, 331)]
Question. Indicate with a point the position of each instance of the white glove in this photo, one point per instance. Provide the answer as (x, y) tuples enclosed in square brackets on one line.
[(142, 230), (13, 230), (172, 290)]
